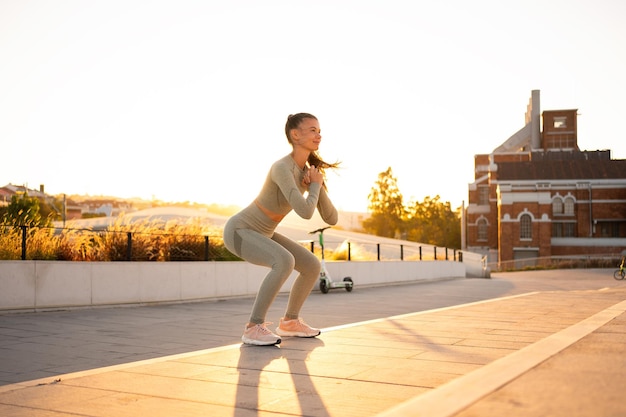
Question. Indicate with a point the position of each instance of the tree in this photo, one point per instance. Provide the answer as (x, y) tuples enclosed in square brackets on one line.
[(51, 208), (434, 222), (24, 211), (386, 207), (431, 221)]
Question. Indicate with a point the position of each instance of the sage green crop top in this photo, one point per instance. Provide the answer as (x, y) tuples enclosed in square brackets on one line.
[(282, 192)]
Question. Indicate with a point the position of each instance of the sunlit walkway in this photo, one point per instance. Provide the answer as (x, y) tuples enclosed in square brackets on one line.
[(531, 344)]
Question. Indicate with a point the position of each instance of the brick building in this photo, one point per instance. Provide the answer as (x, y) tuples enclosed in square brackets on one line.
[(539, 196)]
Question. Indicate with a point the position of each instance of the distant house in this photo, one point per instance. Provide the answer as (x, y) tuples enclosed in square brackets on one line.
[(5, 197), (538, 195), (109, 207), (8, 191), (72, 211)]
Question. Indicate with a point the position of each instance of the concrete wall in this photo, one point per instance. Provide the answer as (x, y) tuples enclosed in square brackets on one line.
[(38, 285), (476, 265)]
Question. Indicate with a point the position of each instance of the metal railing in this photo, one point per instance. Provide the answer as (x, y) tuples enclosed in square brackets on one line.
[(355, 250), (71, 244), (606, 260)]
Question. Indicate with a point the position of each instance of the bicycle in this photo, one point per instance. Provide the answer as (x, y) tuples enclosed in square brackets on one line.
[(619, 273)]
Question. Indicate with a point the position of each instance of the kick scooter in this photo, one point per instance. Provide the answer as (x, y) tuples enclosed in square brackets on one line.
[(326, 282)]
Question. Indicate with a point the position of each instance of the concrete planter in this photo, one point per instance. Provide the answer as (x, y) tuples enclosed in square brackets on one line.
[(40, 285)]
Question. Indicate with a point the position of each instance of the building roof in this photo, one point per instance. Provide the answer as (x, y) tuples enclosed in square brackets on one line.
[(11, 189), (562, 170)]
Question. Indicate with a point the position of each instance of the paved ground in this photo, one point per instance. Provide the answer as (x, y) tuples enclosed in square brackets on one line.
[(527, 343)]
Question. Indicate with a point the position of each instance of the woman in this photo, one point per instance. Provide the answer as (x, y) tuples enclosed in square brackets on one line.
[(250, 234)]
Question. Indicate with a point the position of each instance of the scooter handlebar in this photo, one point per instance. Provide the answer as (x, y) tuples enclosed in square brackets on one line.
[(320, 230)]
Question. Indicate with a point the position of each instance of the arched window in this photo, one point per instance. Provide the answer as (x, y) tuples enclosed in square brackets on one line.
[(525, 227), (482, 229), (569, 206), (557, 205)]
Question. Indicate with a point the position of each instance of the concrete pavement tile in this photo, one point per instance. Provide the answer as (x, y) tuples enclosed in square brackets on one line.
[(576, 382), (316, 362), (118, 404), (167, 345), (138, 405), (493, 342), (249, 371), (54, 396), (466, 354), (582, 363), (100, 350), (499, 334), (335, 370), (615, 326), (367, 366), (401, 348), (55, 340), (19, 329), (126, 340), (522, 334), (14, 411), (8, 341), (538, 326), (605, 342), (181, 389), (477, 320), (392, 348), (552, 396), (398, 332), (18, 363), (128, 348), (177, 369), (331, 397), (380, 343), (429, 379), (31, 348), (258, 356), (352, 354)]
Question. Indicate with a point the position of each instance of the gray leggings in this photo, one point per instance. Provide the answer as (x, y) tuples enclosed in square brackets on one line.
[(282, 255)]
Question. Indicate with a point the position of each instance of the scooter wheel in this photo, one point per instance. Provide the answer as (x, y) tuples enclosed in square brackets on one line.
[(349, 283), (324, 286)]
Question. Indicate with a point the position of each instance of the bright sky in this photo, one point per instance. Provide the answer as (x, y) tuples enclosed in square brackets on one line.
[(186, 100)]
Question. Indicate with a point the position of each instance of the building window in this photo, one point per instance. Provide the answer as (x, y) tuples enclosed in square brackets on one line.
[(482, 230), (565, 141), (609, 229), (563, 229), (525, 227), (483, 195), (560, 122), (568, 209), (557, 206)]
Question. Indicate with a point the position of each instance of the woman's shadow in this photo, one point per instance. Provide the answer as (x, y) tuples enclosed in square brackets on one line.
[(253, 376)]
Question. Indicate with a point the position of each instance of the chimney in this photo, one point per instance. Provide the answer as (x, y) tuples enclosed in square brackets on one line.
[(41, 189), (535, 120)]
